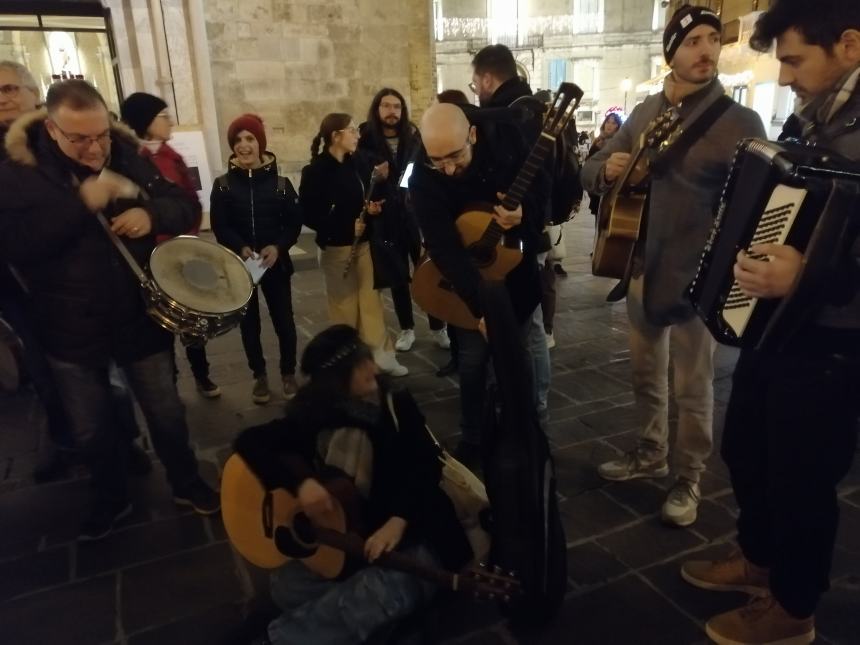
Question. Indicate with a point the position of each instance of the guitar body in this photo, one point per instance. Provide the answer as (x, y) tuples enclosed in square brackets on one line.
[(436, 296), (269, 530), (243, 508), (623, 208), (618, 230)]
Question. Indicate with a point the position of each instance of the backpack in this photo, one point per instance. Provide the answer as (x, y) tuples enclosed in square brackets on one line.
[(567, 189)]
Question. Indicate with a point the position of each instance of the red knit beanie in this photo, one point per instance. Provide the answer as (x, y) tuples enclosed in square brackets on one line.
[(253, 124)]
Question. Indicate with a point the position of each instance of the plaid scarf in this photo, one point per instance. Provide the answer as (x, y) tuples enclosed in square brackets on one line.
[(821, 110)]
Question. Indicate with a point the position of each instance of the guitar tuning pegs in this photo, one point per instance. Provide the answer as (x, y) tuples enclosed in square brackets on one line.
[(482, 565)]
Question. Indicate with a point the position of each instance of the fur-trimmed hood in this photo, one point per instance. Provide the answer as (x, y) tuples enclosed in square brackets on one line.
[(20, 138)]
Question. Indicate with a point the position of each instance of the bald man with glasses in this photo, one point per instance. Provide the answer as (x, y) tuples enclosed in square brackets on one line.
[(462, 165)]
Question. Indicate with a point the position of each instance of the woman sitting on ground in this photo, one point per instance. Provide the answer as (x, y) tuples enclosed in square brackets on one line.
[(341, 422)]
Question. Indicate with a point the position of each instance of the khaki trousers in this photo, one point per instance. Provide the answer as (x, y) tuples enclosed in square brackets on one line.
[(352, 300), (692, 348)]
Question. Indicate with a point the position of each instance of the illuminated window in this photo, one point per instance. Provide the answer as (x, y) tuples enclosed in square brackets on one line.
[(587, 16), (503, 21)]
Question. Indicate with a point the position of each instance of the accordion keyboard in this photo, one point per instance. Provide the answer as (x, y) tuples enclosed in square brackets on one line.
[(773, 228)]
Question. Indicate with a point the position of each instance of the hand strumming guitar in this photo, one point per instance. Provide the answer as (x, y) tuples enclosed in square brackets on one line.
[(385, 539), (315, 500), (615, 166)]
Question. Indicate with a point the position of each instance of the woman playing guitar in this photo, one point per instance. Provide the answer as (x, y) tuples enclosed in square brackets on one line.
[(341, 425)]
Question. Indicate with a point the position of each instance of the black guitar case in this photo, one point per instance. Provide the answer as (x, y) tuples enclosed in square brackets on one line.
[(527, 534)]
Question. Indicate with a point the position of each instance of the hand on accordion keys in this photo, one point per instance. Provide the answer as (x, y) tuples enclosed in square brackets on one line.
[(771, 277)]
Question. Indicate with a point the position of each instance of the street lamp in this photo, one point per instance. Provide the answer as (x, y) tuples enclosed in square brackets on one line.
[(626, 86)]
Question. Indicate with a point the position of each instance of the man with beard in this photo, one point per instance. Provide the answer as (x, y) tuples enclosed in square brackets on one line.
[(666, 260), (388, 136), (66, 164), (791, 423), (463, 166), (498, 87)]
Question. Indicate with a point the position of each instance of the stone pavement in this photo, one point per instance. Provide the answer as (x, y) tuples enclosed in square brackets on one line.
[(168, 576)]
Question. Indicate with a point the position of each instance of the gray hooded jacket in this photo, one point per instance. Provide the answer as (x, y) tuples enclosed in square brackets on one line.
[(682, 200)]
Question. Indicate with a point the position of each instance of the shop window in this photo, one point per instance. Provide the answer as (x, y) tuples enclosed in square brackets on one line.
[(55, 47)]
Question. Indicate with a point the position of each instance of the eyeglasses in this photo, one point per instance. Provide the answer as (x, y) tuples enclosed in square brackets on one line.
[(351, 130), (440, 163), (11, 91), (473, 87), (84, 142)]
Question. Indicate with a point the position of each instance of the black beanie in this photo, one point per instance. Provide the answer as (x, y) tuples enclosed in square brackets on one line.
[(139, 110), (682, 22)]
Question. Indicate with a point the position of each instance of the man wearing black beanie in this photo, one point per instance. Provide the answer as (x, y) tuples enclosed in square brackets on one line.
[(665, 261)]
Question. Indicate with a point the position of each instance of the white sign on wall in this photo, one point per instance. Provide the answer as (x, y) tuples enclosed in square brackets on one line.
[(191, 146)]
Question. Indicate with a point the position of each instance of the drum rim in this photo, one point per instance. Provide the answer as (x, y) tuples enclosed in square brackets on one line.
[(178, 304)]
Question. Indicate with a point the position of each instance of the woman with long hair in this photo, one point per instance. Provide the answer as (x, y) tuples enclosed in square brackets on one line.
[(332, 194), (346, 424)]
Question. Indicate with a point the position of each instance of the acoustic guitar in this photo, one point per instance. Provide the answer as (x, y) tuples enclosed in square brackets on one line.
[(491, 251), (622, 209), (269, 529)]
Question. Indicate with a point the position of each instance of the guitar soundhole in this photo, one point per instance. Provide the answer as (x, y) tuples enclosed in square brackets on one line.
[(297, 541), (482, 254)]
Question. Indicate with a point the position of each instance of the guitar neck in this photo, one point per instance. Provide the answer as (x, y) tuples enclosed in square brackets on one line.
[(353, 545), (525, 177)]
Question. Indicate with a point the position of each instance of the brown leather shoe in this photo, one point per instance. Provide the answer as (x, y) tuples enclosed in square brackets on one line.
[(734, 573), (761, 622)]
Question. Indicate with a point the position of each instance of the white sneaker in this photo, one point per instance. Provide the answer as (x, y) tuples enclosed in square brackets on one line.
[(550, 340), (405, 340), (440, 337), (387, 362), (682, 504)]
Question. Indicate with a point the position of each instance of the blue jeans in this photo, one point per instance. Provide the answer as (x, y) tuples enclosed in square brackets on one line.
[(97, 422), (474, 355), (318, 611)]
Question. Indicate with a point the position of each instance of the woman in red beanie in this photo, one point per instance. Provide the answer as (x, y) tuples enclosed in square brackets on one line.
[(255, 213), (148, 116), (332, 195)]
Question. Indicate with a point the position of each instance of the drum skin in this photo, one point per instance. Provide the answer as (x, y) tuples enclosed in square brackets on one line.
[(201, 275)]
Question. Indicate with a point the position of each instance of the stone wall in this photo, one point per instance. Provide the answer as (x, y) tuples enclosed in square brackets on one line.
[(294, 61)]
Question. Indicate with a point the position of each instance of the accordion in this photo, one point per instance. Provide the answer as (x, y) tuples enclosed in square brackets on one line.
[(779, 193)]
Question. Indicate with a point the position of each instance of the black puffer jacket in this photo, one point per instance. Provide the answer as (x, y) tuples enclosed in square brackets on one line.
[(86, 302), (406, 466), (248, 208), (332, 196)]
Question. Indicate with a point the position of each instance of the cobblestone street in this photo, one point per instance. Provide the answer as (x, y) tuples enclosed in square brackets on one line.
[(170, 577)]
